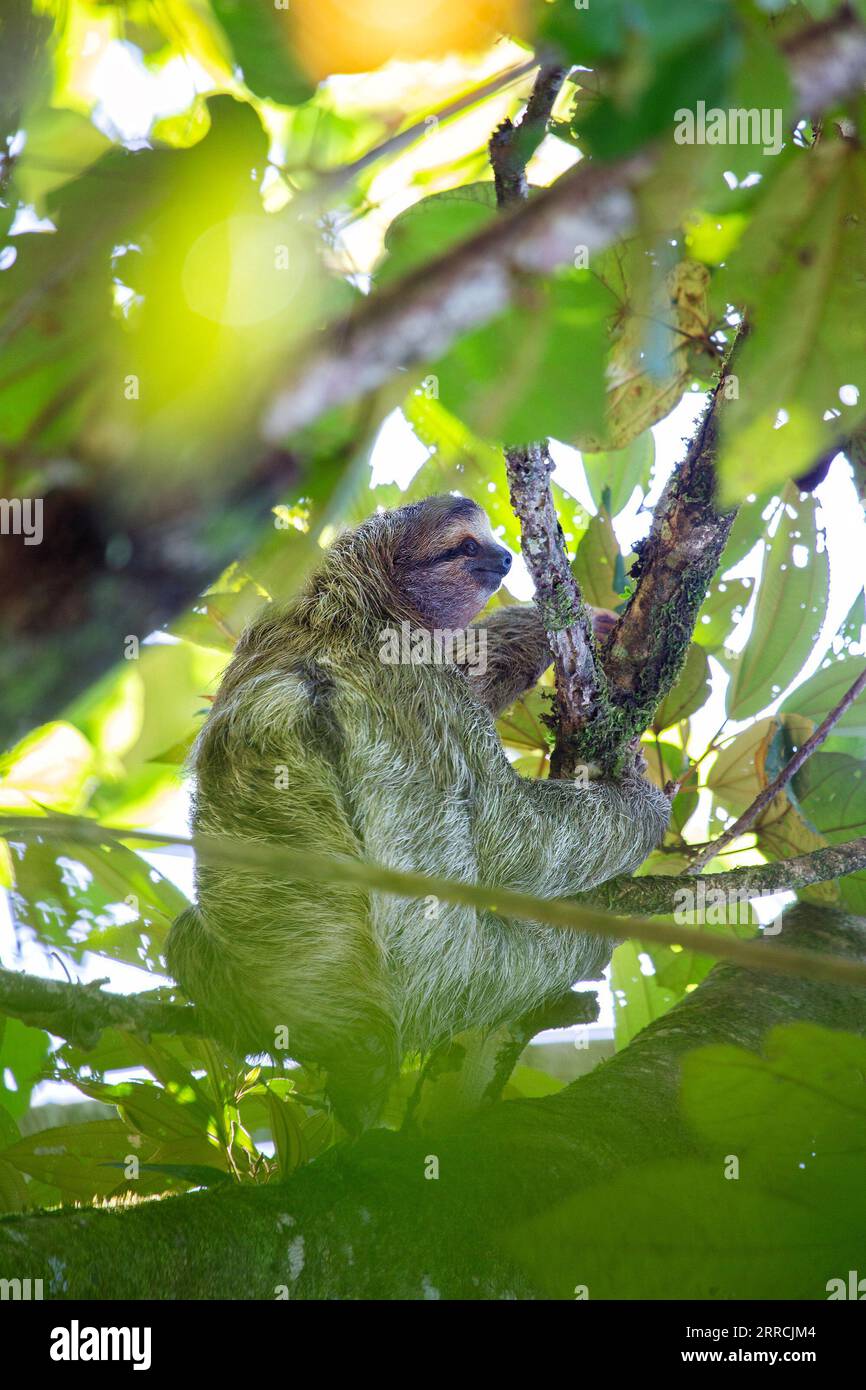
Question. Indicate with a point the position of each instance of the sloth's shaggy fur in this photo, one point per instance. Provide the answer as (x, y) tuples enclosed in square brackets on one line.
[(314, 741)]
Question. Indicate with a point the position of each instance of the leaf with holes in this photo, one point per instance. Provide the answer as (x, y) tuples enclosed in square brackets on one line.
[(789, 613)]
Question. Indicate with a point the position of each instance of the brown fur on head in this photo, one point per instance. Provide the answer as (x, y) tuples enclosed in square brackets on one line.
[(447, 561)]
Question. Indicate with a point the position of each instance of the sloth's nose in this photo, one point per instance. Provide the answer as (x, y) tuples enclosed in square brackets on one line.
[(504, 560)]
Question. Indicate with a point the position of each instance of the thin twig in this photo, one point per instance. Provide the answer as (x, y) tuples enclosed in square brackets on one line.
[(771, 791), (333, 180), (309, 866)]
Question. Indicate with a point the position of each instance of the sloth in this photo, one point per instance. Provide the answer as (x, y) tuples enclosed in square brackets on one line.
[(316, 740)]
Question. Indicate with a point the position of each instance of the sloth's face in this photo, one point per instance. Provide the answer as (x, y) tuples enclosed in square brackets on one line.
[(450, 562)]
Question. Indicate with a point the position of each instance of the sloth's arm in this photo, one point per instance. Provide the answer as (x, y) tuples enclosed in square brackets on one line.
[(598, 829), (515, 654)]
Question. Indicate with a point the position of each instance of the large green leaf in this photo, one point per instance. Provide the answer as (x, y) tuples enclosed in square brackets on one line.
[(831, 789), (261, 39), (822, 692), (724, 606), (599, 566), (800, 270), (432, 226), (690, 692), (790, 609), (602, 32), (613, 476), (661, 321), (638, 997), (803, 1096), (537, 371), (781, 1225), (739, 772)]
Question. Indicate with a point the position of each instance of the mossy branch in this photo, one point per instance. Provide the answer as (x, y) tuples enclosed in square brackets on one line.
[(80, 1012), (363, 1223)]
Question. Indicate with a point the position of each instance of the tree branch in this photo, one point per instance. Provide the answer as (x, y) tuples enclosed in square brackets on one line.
[(79, 1012), (557, 597), (332, 181), (308, 866), (674, 568), (362, 1222), (566, 619), (659, 892), (418, 319), (512, 146), (770, 792)]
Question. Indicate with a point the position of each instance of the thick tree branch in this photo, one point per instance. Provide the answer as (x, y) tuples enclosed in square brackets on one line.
[(674, 568), (363, 1221), (79, 1013), (419, 318), (770, 792)]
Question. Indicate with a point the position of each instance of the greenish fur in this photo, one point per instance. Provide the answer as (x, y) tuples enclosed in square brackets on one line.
[(314, 741)]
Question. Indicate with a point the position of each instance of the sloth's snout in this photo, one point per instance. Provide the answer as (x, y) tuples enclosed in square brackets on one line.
[(493, 564)]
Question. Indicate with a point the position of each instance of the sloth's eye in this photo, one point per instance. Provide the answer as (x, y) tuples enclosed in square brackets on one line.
[(470, 547)]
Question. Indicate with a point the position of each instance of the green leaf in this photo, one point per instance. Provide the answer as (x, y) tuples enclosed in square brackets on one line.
[(823, 691), (831, 789), (60, 145), (637, 998), (662, 320), (720, 612), (25, 1052), (529, 1083), (791, 1219), (69, 896), (690, 692), (739, 772), (603, 32), (432, 226), (286, 1118), (161, 1113), (195, 1174), (790, 609), (596, 564), (75, 1157), (802, 1098), (800, 271), (261, 39), (537, 371), (618, 472), (522, 726), (52, 768)]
